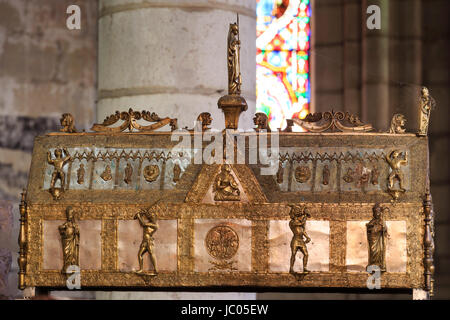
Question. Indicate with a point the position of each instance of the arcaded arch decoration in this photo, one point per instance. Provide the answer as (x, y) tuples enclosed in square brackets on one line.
[(332, 121), (130, 119)]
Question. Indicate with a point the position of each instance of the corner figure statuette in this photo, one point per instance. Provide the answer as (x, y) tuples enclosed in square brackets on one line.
[(298, 215), (225, 186), (70, 240), (376, 237), (234, 72), (395, 161), (426, 102), (149, 228), (58, 174)]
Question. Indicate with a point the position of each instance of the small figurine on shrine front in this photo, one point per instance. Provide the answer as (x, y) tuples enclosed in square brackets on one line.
[(376, 237), (298, 215), (58, 174), (225, 186), (70, 240), (396, 161), (149, 228), (426, 102)]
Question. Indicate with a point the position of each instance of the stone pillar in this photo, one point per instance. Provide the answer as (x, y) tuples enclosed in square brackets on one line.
[(169, 56)]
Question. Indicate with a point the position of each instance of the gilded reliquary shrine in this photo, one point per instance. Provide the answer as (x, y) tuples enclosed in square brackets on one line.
[(132, 206)]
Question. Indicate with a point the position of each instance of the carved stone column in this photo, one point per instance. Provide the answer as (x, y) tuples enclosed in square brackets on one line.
[(169, 56)]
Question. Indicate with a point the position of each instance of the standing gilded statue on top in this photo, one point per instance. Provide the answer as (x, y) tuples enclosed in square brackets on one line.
[(234, 71), (426, 102)]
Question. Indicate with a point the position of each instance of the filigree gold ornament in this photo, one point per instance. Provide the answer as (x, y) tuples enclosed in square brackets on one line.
[(80, 174), (225, 186), (377, 234), (398, 124), (396, 161), (128, 174), (151, 172), (106, 174), (58, 173), (426, 103), (68, 123), (325, 175), (333, 121), (300, 238), (149, 227), (261, 121), (70, 240), (302, 174), (130, 119), (222, 243), (176, 173)]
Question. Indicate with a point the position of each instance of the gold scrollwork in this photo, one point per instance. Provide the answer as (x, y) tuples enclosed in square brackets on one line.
[(333, 121), (130, 119), (376, 237), (149, 227)]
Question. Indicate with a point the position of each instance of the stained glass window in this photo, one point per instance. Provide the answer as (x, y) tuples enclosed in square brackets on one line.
[(282, 59)]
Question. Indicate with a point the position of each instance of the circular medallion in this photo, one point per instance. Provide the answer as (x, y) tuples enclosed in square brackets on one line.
[(151, 172), (222, 242), (302, 174)]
